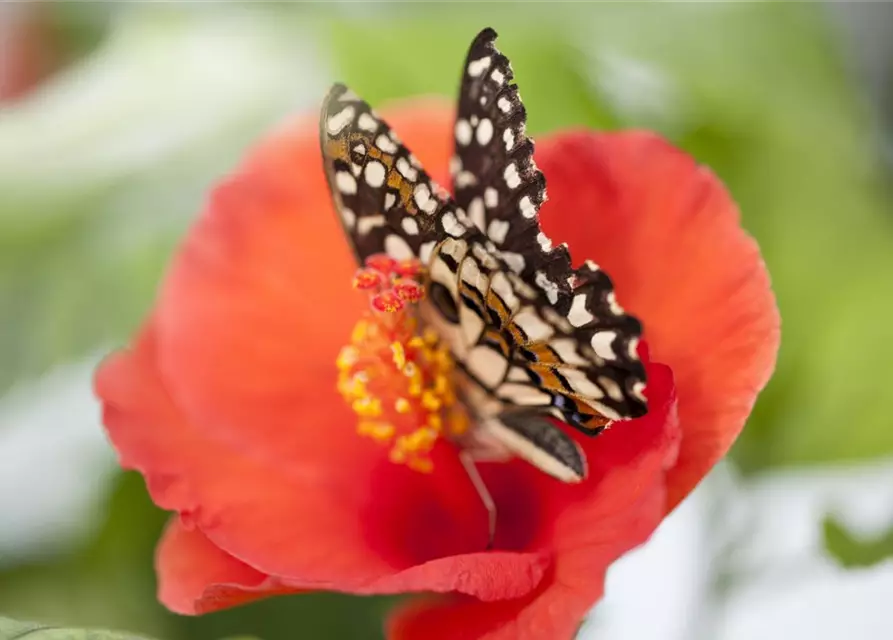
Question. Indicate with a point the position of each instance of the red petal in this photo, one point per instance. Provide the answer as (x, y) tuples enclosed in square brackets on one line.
[(259, 300), (354, 523), (592, 524), (195, 577), (668, 233)]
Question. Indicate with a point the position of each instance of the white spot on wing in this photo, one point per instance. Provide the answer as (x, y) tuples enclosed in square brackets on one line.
[(463, 132), (498, 230), (487, 365), (498, 76), (515, 261), (533, 325), (484, 132), (581, 384), (406, 170), (491, 197), (601, 344), (615, 308), (606, 411), (337, 122), (389, 200), (476, 213), (633, 348), (578, 315), (512, 179), (410, 226), (349, 217), (470, 325), (545, 243), (451, 224), (346, 183), (525, 204), (566, 349), (504, 104), (375, 173), (397, 248), (477, 67), (423, 199), (523, 394), (465, 179), (367, 123), (508, 137), (550, 288), (613, 389), (384, 143), (425, 251), (365, 224), (499, 285)]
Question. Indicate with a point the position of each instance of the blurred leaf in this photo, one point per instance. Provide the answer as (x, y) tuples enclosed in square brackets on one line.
[(850, 550), (102, 169), (12, 630)]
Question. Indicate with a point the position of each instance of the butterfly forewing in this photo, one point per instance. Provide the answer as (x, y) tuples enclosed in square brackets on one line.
[(495, 179), (385, 199), (576, 344)]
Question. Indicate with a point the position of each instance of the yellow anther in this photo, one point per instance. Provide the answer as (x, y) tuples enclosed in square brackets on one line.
[(399, 355), (347, 357), (402, 405), (377, 430), (416, 342), (359, 332), (430, 401), (367, 407)]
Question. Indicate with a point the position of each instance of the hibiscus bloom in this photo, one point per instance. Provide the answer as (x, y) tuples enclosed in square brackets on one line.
[(227, 400)]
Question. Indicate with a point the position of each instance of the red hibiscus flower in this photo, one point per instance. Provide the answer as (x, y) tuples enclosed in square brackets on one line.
[(227, 400)]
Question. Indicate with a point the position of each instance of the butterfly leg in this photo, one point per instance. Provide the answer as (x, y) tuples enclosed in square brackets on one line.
[(479, 485)]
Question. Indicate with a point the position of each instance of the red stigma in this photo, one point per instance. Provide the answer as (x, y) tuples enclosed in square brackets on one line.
[(387, 301), (409, 290), (382, 262), (368, 279)]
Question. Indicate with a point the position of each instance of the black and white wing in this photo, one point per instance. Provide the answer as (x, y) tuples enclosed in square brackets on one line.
[(386, 201), (584, 345)]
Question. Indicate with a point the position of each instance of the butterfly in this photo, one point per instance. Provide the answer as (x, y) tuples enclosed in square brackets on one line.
[(534, 338)]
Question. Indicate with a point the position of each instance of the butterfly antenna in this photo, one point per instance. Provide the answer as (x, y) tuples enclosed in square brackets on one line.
[(487, 499)]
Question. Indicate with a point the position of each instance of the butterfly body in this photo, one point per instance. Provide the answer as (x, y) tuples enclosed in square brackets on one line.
[(533, 338)]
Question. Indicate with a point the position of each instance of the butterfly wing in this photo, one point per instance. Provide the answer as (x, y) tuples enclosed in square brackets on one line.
[(386, 201), (577, 347)]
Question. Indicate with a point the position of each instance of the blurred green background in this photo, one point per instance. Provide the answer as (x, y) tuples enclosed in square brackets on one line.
[(115, 119)]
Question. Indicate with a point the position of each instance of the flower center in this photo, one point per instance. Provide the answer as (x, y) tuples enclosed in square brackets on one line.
[(396, 378)]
